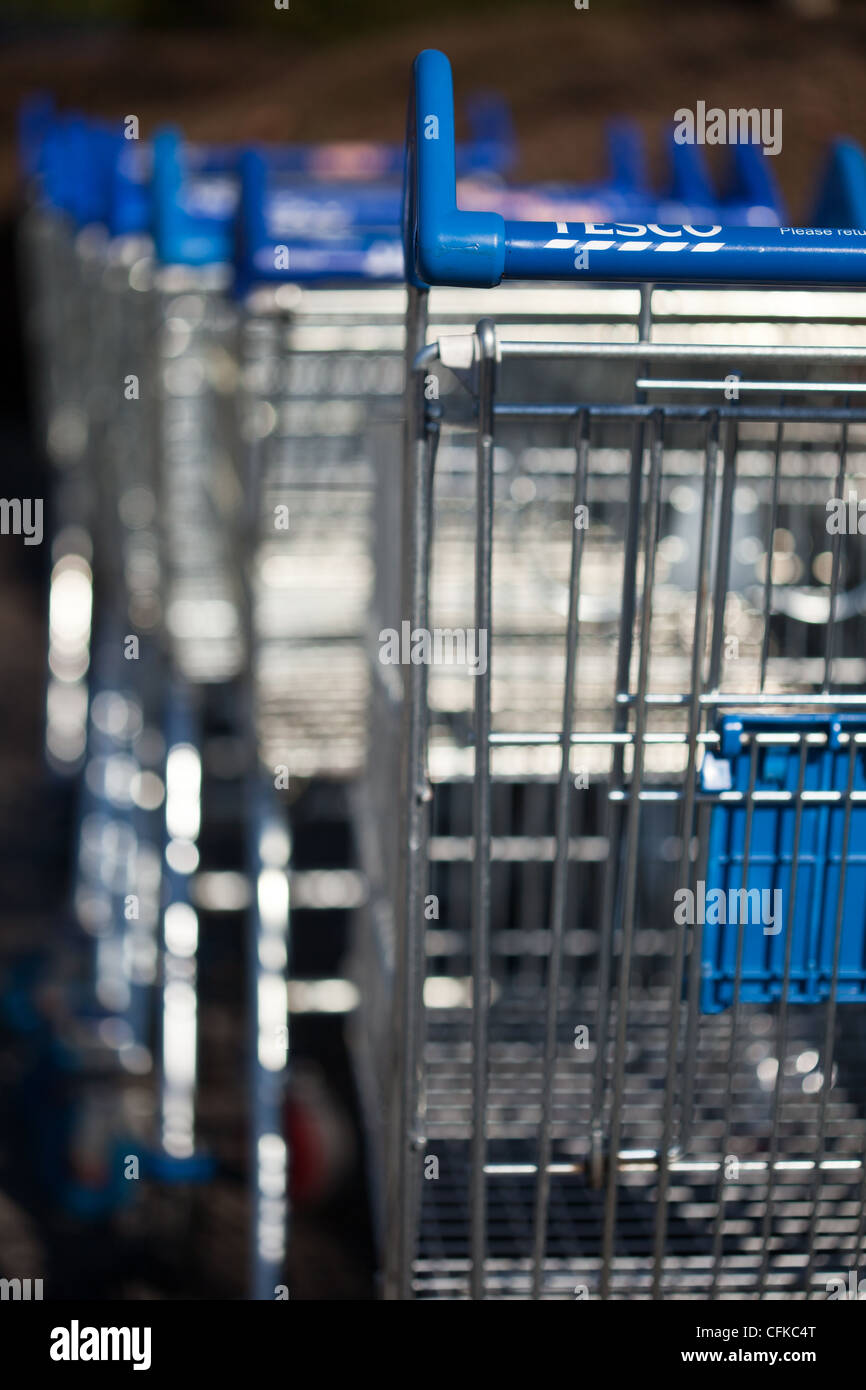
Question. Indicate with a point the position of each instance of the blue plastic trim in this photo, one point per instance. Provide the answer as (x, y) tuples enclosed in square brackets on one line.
[(490, 149), (627, 159), (754, 188), (86, 169), (36, 116), (842, 199), (74, 162), (684, 254), (62, 167), (129, 209), (188, 228), (446, 246), (351, 231), (691, 184), (162, 1167), (338, 250), (331, 210), (493, 144), (95, 147), (813, 920)]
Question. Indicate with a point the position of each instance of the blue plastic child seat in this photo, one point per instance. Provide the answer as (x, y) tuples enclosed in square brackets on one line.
[(812, 917)]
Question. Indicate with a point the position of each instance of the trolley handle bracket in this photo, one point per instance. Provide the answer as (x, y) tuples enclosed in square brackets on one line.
[(443, 245)]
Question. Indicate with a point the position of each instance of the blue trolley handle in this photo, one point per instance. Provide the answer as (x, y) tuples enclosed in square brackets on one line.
[(447, 246)]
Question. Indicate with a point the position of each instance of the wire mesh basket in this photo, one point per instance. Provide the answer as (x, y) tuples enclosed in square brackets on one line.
[(627, 937)]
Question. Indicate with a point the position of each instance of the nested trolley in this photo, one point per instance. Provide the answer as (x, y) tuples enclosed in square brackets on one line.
[(623, 903)]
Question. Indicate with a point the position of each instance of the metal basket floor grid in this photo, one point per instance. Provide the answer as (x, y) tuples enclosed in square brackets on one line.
[(810, 1218)]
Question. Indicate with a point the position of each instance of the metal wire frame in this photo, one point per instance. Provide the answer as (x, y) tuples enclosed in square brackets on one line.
[(101, 721), (209, 509), (317, 367), (321, 373), (98, 710), (376, 323), (322, 379), (159, 504), (56, 321), (634, 706)]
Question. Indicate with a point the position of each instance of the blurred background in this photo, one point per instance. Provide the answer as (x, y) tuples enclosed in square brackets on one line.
[(318, 70)]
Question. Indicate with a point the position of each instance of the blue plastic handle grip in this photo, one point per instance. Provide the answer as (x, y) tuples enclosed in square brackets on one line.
[(443, 245), (187, 230), (447, 246), (267, 252), (754, 183), (842, 198), (36, 116)]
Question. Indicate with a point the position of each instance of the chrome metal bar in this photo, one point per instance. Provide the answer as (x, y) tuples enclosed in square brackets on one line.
[(749, 700), (559, 895), (736, 1018), (722, 561), (613, 814), (647, 1161), (682, 352), (782, 1034), (631, 857), (405, 1140), (686, 867), (768, 577), (792, 387), (836, 566), (827, 1058), (481, 975), (753, 414)]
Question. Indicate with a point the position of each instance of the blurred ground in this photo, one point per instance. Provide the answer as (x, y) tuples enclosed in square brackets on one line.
[(563, 71)]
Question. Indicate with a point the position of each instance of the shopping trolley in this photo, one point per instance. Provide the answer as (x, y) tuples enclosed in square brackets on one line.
[(333, 369), (297, 363), (600, 1088), (314, 327), (167, 547), (98, 703), (321, 371), (153, 533)]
